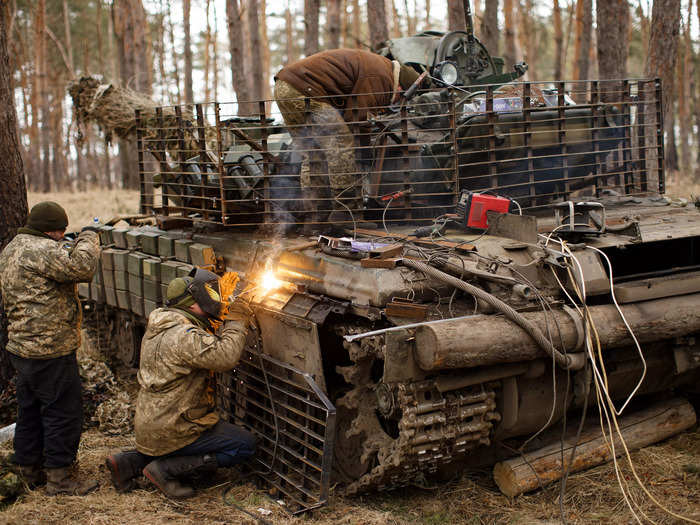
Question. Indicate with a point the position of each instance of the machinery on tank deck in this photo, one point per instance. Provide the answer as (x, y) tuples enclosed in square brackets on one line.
[(450, 319)]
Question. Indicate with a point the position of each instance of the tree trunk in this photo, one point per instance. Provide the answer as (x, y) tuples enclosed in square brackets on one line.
[(356, 24), (189, 95), (256, 76), (455, 15), (265, 49), (333, 22), (311, 12), (662, 53), (289, 35), (376, 18), (489, 27), (671, 144), (558, 41), (612, 18), (41, 67), (410, 21), (13, 197), (427, 14), (176, 68), (239, 66), (395, 20), (684, 73), (528, 38), (207, 57), (510, 54), (582, 47)]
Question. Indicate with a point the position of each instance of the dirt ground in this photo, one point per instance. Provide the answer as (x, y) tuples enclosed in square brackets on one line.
[(671, 471)]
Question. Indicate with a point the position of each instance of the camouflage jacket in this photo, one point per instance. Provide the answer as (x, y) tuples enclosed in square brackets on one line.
[(173, 407), (38, 279)]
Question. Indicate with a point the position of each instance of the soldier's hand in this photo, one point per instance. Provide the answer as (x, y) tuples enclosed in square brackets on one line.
[(239, 310)]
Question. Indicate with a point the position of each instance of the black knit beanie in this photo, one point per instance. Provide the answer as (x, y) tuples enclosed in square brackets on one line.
[(47, 216)]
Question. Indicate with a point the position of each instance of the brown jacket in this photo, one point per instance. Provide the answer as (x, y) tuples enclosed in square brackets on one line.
[(339, 72), (173, 407)]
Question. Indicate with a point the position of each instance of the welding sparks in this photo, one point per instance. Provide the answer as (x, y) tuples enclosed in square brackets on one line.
[(269, 280)]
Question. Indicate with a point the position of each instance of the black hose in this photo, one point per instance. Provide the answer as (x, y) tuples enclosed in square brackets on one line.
[(566, 361)]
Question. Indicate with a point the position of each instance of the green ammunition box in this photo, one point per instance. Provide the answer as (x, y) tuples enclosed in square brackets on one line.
[(111, 296), (106, 258), (123, 299), (135, 264), (84, 290), (168, 271), (97, 293), (133, 239), (184, 270), (121, 280), (119, 237), (182, 250), (97, 276), (202, 255), (151, 269), (151, 290), (105, 233), (148, 307), (166, 246), (136, 304), (108, 278), (163, 293), (120, 258), (149, 242), (135, 285)]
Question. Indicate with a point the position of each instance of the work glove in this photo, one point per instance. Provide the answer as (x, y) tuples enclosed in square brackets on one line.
[(239, 310)]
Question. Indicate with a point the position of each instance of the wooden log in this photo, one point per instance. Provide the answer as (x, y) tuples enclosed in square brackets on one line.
[(657, 422)]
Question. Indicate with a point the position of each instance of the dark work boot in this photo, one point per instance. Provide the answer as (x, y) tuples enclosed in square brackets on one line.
[(163, 473), (125, 467), (33, 475), (64, 480)]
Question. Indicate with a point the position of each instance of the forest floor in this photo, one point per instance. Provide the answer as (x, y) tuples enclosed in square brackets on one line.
[(670, 470)]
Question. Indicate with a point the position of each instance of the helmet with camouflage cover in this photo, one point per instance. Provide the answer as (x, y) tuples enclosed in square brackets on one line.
[(201, 287)]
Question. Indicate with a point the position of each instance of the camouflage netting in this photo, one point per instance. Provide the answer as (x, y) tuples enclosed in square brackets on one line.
[(113, 109), (105, 404)]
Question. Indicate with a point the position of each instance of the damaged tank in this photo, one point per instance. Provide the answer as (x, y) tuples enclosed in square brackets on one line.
[(452, 318)]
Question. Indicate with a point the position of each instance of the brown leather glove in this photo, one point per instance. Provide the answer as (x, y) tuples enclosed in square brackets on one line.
[(239, 310)]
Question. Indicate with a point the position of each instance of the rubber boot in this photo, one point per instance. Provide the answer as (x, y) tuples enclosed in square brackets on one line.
[(163, 473), (124, 467), (64, 480), (33, 475)]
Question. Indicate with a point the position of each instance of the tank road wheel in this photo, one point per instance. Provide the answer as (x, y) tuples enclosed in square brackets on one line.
[(129, 334)]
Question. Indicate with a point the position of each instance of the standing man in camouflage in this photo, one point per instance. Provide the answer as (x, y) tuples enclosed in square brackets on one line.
[(38, 276), (177, 428), (326, 79)]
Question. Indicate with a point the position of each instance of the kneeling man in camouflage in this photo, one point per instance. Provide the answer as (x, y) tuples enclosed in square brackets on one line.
[(177, 428)]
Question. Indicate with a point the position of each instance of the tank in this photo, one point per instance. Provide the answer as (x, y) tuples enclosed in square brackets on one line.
[(450, 319)]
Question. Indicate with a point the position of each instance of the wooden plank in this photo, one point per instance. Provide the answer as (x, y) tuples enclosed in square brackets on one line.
[(379, 263)]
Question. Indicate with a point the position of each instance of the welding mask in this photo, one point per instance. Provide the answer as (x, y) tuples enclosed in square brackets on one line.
[(204, 288)]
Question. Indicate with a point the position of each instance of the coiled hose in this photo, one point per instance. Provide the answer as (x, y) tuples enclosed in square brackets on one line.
[(567, 361)]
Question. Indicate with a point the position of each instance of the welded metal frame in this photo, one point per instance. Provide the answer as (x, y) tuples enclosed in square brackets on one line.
[(539, 159), (295, 424)]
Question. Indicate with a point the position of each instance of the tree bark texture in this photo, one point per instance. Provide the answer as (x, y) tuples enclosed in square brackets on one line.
[(256, 73), (489, 27), (528, 37), (289, 35), (455, 15), (582, 47), (311, 13), (356, 24), (558, 41), (239, 66), (265, 50), (333, 23), (684, 72), (13, 197), (376, 18), (662, 50), (189, 95), (612, 18), (639, 429), (510, 53)]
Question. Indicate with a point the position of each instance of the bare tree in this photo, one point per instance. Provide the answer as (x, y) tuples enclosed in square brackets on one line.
[(13, 197), (265, 49), (558, 40), (311, 13), (489, 27), (528, 36), (663, 46), (289, 34), (189, 95), (333, 23), (684, 74), (584, 25), (256, 73), (612, 18), (239, 66), (455, 15), (510, 54), (376, 18)]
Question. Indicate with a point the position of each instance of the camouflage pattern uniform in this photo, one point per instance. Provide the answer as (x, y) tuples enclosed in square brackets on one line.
[(38, 279), (326, 126), (173, 408)]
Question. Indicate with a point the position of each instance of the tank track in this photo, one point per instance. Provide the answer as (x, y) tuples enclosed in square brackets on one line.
[(434, 430)]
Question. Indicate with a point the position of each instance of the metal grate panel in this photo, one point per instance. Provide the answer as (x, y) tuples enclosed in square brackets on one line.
[(294, 422)]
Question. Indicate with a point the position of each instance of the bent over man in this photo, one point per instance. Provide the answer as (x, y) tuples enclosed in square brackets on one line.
[(38, 276), (329, 77), (176, 426)]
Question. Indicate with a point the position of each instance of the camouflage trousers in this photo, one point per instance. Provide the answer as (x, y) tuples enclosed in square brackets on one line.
[(323, 133)]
